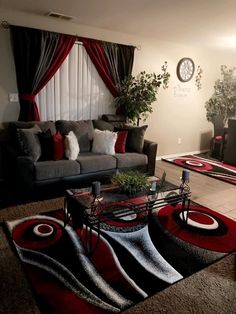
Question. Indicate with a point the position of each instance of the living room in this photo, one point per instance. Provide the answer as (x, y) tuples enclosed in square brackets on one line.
[(178, 122)]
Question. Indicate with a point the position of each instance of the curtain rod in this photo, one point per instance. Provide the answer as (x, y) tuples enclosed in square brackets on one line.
[(6, 25)]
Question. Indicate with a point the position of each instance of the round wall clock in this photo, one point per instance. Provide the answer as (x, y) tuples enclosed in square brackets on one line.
[(185, 69)]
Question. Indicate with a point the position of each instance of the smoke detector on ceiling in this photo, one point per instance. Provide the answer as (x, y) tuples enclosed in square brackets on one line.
[(59, 16)]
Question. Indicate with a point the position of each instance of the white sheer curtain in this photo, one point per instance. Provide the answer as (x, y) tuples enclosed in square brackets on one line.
[(76, 91)]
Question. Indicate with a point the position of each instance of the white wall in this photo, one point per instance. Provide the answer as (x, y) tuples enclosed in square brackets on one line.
[(179, 111)]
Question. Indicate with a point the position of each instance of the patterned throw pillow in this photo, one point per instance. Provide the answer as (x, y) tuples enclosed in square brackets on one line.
[(29, 143), (71, 146), (104, 142), (121, 142)]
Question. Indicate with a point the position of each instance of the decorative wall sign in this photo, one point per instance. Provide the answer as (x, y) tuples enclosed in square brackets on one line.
[(180, 91), (198, 78), (185, 69)]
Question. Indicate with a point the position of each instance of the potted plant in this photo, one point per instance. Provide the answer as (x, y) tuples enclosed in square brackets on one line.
[(222, 103), (131, 182), (137, 94)]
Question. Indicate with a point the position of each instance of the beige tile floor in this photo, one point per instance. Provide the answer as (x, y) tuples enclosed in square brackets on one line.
[(215, 194)]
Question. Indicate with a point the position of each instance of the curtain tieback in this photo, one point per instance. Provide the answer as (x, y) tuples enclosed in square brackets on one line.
[(30, 97)]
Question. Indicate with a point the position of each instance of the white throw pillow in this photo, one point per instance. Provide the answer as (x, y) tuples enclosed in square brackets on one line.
[(71, 146), (104, 142)]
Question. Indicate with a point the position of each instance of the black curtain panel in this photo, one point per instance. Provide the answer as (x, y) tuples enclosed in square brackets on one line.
[(125, 61), (38, 55), (120, 58), (111, 51)]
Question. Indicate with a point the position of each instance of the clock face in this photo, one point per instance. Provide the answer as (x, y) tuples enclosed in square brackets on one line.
[(185, 69)]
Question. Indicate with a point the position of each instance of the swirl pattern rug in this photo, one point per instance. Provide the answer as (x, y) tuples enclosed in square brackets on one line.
[(207, 166), (135, 256)]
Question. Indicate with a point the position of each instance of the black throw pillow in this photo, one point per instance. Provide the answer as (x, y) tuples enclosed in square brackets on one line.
[(47, 148)]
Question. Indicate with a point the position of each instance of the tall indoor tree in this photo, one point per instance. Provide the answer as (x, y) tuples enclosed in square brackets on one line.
[(222, 103), (137, 94)]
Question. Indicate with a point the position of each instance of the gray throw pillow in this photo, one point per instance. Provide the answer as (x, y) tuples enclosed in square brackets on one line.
[(135, 138), (29, 142)]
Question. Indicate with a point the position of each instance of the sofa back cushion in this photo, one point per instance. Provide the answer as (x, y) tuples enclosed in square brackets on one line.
[(103, 125), (12, 127), (43, 125), (83, 131)]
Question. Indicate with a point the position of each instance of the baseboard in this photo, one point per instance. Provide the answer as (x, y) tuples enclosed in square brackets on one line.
[(182, 154)]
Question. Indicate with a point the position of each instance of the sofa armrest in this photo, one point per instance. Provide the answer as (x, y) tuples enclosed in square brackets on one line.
[(26, 172), (150, 149)]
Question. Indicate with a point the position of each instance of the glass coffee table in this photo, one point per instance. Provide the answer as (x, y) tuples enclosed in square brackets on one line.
[(83, 211)]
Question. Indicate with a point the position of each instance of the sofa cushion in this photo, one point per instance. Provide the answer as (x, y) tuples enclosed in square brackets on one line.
[(90, 162), (52, 169), (29, 143), (103, 125), (117, 120), (131, 160), (83, 131), (104, 142)]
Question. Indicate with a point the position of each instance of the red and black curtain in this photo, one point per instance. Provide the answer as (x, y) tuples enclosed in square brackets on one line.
[(38, 55), (113, 61)]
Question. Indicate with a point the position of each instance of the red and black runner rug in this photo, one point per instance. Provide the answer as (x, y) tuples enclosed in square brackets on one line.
[(207, 166), (134, 258)]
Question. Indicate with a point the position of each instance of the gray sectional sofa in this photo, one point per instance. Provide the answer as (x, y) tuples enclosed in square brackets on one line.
[(29, 176)]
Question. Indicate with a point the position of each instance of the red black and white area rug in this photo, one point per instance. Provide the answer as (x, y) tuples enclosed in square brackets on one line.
[(134, 257), (204, 165)]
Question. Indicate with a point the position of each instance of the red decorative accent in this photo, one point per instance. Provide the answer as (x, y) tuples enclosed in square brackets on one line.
[(99, 59), (55, 297), (219, 243), (121, 141), (30, 97), (44, 228), (59, 147), (24, 236), (183, 162), (198, 217), (219, 137)]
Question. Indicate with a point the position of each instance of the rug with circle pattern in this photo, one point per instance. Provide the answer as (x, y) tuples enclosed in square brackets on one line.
[(211, 167), (134, 257)]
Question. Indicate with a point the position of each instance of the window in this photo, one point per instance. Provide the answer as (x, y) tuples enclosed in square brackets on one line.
[(76, 91)]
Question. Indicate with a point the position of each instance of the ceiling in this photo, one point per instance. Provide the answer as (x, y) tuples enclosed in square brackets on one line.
[(203, 22)]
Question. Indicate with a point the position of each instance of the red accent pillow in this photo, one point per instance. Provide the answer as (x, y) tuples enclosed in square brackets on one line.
[(58, 142), (121, 141)]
